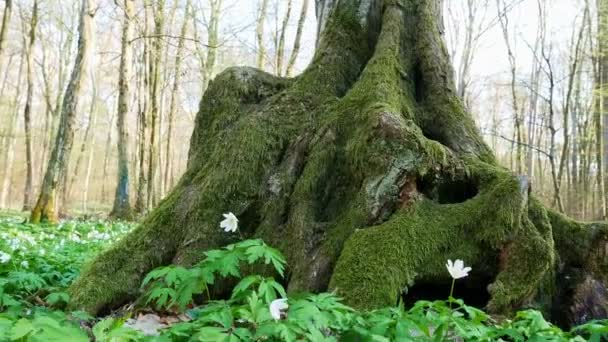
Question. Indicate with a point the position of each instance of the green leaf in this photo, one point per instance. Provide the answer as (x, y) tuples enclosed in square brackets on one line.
[(21, 329)]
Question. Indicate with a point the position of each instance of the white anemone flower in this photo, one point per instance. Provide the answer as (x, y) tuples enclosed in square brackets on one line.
[(230, 223), (277, 307), (25, 264), (457, 269), (4, 257)]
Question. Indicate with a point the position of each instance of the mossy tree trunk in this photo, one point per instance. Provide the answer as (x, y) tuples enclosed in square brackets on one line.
[(367, 172)]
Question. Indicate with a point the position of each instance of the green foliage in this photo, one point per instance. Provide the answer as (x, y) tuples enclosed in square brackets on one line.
[(176, 286), (245, 316)]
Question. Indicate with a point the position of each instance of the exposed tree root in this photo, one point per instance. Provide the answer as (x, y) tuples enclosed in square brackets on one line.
[(367, 172)]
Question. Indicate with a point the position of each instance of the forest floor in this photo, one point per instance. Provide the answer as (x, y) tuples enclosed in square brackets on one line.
[(39, 262)]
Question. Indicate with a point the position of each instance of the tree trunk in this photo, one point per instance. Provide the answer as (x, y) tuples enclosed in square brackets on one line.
[(27, 111), (6, 18), (157, 49), (122, 205), (297, 40), (601, 80), (259, 33), (504, 23), (89, 160), (175, 94), (56, 168), (142, 123), (281, 47), (9, 156), (212, 41), (367, 172), (106, 161), (86, 141)]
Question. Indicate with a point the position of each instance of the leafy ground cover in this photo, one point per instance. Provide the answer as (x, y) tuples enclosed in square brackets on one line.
[(38, 262)]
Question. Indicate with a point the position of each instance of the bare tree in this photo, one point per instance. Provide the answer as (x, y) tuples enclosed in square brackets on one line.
[(6, 18), (155, 66), (56, 168), (174, 93), (27, 111), (504, 23), (122, 205), (281, 41), (9, 147), (259, 32), (298, 39)]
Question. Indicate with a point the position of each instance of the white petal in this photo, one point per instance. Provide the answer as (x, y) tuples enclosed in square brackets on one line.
[(277, 306)]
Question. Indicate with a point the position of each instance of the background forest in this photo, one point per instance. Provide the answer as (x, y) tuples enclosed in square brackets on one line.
[(531, 72)]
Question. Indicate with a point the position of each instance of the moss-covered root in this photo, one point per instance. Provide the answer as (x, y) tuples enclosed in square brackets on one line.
[(379, 262), (115, 275), (526, 272), (44, 211)]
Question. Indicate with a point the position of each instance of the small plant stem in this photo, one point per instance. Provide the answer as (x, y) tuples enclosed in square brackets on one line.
[(451, 292), (207, 290)]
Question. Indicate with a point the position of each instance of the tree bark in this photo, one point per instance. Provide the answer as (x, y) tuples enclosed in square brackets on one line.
[(122, 205), (27, 111), (106, 161), (9, 156), (157, 49), (142, 121), (259, 33), (6, 18), (601, 80), (366, 171), (175, 94), (504, 23), (281, 46), (56, 168), (86, 141), (297, 40)]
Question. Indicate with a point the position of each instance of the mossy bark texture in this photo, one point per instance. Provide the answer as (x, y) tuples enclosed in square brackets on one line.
[(367, 172)]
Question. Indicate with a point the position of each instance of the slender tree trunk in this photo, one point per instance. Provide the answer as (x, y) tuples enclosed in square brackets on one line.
[(122, 206), (259, 33), (9, 156), (27, 111), (212, 41), (557, 198), (106, 162), (281, 46), (298, 39), (174, 95), (502, 16), (576, 51), (56, 168), (6, 18), (157, 49), (144, 103), (601, 102), (86, 141), (91, 149)]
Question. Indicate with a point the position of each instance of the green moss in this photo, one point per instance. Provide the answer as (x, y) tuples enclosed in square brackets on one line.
[(338, 167)]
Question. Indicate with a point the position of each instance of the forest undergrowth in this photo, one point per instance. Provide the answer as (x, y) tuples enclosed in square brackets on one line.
[(39, 262)]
